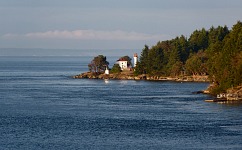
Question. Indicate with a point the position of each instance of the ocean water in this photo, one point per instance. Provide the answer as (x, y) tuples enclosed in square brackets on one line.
[(42, 107)]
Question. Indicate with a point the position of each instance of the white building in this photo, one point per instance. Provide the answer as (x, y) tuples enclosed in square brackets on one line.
[(123, 64), (135, 59)]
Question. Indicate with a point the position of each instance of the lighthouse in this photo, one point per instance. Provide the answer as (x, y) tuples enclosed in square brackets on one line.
[(106, 71), (135, 59)]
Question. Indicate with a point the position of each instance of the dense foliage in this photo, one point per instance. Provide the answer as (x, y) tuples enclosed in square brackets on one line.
[(216, 52), (98, 64), (116, 69)]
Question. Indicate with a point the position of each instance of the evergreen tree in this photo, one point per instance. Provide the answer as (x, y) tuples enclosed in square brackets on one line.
[(142, 64), (224, 63), (198, 40), (154, 63), (216, 52), (116, 69)]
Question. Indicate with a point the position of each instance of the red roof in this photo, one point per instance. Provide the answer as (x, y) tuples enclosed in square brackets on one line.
[(121, 59)]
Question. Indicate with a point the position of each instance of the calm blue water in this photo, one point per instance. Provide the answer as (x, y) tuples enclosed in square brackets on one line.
[(42, 107)]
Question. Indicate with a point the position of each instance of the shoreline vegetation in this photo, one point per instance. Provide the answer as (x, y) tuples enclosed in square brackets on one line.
[(213, 56)]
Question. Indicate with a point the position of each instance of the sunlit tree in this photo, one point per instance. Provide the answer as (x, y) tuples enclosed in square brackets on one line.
[(98, 64)]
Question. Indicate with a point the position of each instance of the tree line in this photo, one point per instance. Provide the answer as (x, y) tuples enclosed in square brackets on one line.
[(216, 52)]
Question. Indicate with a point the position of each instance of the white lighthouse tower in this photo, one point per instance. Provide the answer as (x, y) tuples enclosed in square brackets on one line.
[(106, 71), (135, 59)]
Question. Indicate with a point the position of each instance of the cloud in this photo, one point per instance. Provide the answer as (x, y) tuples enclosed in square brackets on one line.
[(88, 35)]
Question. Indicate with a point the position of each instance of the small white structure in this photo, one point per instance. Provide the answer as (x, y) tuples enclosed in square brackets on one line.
[(222, 95), (123, 64), (106, 71), (135, 59)]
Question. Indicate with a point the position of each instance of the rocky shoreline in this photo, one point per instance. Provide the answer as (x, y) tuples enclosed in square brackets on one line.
[(130, 76), (232, 95)]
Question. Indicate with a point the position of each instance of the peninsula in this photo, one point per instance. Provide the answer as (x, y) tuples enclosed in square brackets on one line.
[(213, 55), (123, 69), (129, 75)]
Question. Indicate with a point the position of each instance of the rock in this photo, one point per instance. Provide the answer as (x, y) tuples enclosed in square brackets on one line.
[(128, 75)]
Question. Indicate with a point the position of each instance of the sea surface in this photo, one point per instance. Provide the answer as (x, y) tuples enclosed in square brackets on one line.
[(42, 107)]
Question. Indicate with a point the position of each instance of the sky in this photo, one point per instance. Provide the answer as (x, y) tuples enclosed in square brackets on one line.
[(108, 24)]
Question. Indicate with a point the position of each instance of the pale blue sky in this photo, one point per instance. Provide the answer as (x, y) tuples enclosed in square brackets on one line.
[(108, 24)]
